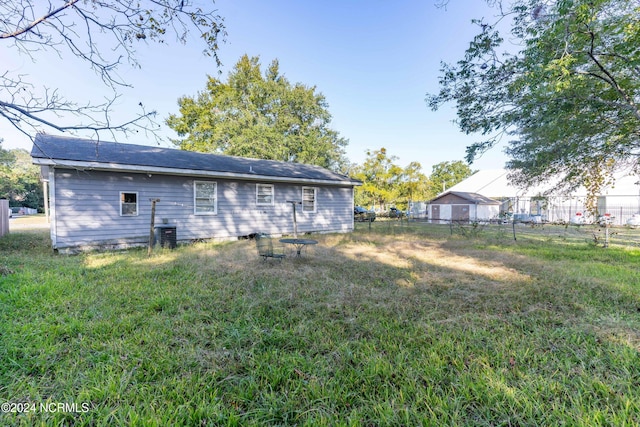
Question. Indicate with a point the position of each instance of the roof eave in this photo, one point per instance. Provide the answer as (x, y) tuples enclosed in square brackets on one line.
[(117, 167)]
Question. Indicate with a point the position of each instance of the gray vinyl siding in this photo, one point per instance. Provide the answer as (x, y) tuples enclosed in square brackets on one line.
[(87, 208)]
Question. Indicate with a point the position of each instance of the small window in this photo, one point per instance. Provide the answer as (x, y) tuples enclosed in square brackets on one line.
[(205, 197), (264, 194), (128, 204), (308, 199)]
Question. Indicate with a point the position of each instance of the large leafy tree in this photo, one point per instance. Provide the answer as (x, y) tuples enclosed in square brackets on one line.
[(414, 184), (6, 159), (447, 174), (385, 183), (380, 177), (565, 89), (103, 35), (259, 115), (20, 179)]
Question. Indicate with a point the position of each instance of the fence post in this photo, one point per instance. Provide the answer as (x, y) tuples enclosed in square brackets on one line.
[(4, 217), (621, 222)]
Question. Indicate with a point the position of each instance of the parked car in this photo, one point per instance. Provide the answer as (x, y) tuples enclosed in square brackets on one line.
[(395, 213), (606, 219), (522, 217), (578, 219), (505, 217), (634, 221), (392, 213), (361, 214)]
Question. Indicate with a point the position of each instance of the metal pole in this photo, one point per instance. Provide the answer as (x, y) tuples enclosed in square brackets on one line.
[(153, 218), (295, 222)]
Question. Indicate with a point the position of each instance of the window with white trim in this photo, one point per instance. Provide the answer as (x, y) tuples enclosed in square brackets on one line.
[(309, 199), (205, 197), (128, 203), (264, 194)]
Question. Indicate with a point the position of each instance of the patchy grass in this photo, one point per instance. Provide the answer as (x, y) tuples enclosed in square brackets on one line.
[(393, 326), (27, 223)]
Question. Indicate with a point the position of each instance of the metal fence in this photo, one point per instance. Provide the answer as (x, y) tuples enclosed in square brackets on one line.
[(554, 210), (509, 231), (596, 234)]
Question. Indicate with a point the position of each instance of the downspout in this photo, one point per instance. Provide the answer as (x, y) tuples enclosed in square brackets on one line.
[(44, 170), (52, 207)]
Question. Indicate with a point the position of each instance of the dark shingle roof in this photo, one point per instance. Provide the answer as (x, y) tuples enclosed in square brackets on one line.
[(65, 151), (471, 197)]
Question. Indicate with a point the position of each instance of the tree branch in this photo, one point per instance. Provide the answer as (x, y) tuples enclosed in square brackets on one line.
[(72, 30), (610, 79), (38, 21)]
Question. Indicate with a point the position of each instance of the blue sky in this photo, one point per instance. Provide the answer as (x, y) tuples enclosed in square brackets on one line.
[(374, 61)]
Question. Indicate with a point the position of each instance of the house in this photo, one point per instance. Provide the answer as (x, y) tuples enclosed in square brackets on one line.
[(100, 194), (621, 200), (462, 206)]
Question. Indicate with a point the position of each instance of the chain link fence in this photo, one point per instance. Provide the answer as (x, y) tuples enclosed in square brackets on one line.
[(597, 234)]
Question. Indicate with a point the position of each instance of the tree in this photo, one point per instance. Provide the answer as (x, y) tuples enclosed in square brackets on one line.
[(6, 159), (20, 179), (568, 96), (414, 184), (447, 174), (103, 35), (259, 115), (380, 178)]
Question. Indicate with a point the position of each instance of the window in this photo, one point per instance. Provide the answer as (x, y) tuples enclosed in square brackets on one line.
[(205, 197), (308, 199), (128, 204), (264, 194)]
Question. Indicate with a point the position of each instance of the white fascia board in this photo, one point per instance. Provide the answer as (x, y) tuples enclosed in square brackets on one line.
[(116, 167)]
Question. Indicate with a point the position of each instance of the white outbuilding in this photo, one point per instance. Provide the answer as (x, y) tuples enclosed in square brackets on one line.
[(462, 206)]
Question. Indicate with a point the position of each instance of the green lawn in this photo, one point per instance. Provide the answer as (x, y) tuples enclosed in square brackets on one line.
[(400, 325)]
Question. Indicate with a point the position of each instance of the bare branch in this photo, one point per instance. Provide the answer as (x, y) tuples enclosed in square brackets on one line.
[(102, 34), (38, 21)]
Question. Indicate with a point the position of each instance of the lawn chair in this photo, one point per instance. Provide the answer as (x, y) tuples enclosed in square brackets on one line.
[(266, 248)]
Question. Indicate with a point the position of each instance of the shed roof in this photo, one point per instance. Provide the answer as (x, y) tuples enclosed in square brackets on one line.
[(474, 198), (79, 153)]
